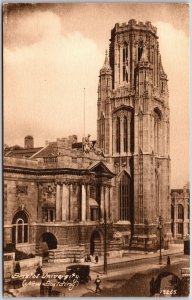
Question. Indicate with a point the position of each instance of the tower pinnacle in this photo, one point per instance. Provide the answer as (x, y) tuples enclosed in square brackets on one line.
[(106, 65)]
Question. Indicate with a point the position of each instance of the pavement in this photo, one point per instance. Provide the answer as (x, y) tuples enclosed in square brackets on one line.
[(131, 256), (115, 266)]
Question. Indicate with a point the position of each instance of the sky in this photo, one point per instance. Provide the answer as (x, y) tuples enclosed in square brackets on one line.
[(51, 52)]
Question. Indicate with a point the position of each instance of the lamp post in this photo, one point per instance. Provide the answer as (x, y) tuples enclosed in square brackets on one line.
[(160, 227), (105, 237)]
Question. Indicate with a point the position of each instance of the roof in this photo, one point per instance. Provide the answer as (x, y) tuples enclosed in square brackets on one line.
[(106, 66), (100, 167), (26, 152), (51, 150)]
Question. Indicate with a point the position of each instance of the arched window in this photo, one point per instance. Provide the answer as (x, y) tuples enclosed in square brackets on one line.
[(180, 228), (124, 197), (172, 212), (118, 135), (125, 125), (157, 120), (140, 50), (125, 62), (180, 212), (20, 228)]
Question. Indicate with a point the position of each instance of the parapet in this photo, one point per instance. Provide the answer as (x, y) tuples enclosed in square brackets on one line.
[(133, 24), (67, 143)]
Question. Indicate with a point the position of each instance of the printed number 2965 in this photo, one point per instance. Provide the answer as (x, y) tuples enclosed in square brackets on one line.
[(169, 292)]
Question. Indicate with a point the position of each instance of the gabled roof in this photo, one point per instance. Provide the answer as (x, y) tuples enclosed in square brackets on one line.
[(100, 168), (28, 152), (50, 150)]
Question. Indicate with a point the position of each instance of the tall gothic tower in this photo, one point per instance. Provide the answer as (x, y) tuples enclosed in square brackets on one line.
[(133, 130)]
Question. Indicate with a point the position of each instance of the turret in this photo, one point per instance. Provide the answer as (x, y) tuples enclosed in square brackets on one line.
[(144, 86), (103, 104), (105, 82)]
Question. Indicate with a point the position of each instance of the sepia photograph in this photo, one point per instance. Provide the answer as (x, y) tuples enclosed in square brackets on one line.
[(96, 137)]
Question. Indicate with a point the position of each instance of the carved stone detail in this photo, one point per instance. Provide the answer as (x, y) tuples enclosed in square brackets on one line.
[(22, 189)]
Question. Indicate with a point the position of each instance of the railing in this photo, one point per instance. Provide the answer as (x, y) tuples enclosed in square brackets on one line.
[(48, 160)]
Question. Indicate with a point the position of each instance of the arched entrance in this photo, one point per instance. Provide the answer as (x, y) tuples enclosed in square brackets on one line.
[(50, 240), (167, 281), (96, 243)]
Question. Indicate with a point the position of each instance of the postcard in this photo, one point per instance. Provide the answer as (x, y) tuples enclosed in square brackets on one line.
[(96, 150)]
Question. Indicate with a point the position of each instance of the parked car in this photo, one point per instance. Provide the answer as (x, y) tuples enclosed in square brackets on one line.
[(82, 271)]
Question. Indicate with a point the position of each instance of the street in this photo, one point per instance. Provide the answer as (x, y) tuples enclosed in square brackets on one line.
[(136, 281), (128, 279)]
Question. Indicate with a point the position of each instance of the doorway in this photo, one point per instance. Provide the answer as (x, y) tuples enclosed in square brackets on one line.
[(96, 243)]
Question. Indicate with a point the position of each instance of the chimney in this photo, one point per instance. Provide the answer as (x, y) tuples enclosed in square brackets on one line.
[(29, 142)]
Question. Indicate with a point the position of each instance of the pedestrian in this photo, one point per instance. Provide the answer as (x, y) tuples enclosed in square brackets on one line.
[(42, 289), (96, 259), (97, 283), (168, 261), (17, 268), (50, 290), (152, 286), (17, 282), (39, 271)]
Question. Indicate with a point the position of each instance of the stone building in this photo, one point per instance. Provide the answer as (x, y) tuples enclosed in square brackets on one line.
[(58, 196), (180, 213), (76, 196), (133, 130)]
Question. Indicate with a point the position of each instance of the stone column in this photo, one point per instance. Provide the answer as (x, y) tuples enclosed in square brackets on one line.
[(64, 202), (39, 209), (129, 132), (83, 203), (110, 134), (175, 220), (102, 202), (87, 203), (107, 202), (58, 202), (114, 136), (120, 64), (70, 201), (121, 135), (116, 72)]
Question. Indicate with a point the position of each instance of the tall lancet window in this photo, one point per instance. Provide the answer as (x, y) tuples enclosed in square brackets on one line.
[(140, 50), (157, 123), (118, 135), (103, 133), (125, 134), (124, 197), (125, 62)]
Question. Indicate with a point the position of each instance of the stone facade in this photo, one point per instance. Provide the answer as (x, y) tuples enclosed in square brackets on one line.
[(180, 213), (59, 200), (133, 129)]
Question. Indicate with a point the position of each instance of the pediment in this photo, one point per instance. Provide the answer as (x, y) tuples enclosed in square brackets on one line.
[(101, 168)]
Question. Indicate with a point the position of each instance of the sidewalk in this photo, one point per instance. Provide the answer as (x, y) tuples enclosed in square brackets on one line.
[(61, 267), (89, 287)]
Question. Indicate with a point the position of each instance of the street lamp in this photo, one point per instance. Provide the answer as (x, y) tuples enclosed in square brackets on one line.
[(105, 236), (160, 227)]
